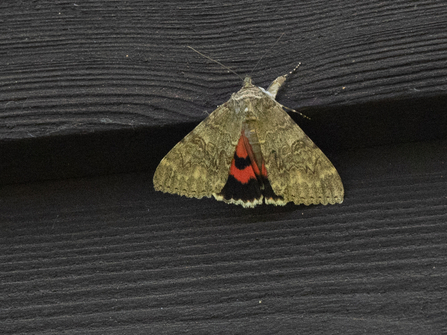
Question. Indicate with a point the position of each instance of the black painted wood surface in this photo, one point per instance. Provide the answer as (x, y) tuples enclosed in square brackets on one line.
[(96, 88), (111, 255), (85, 87)]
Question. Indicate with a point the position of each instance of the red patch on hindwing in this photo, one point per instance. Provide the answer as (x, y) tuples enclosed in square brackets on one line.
[(242, 167), (246, 185)]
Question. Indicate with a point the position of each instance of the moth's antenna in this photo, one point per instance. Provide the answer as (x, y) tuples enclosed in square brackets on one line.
[(265, 53), (226, 67), (295, 111)]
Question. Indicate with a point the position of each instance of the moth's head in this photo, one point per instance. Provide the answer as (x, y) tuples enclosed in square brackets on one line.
[(247, 82)]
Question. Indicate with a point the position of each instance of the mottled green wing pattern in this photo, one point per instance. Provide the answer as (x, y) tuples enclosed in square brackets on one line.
[(297, 169), (198, 165)]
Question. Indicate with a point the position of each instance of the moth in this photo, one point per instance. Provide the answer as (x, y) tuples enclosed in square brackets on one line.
[(249, 151)]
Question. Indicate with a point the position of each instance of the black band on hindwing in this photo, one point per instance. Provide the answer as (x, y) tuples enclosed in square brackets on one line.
[(241, 163)]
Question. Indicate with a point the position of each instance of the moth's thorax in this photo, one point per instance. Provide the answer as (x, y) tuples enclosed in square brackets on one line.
[(248, 92), (249, 98)]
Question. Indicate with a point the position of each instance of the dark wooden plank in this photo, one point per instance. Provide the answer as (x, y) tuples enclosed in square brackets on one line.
[(110, 255), (84, 86), (84, 90), (95, 66)]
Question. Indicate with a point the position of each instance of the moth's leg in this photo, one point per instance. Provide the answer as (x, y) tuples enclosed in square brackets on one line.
[(277, 83)]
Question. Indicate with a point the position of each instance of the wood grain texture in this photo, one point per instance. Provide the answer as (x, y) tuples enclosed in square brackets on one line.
[(110, 255), (84, 90), (95, 66), (85, 87)]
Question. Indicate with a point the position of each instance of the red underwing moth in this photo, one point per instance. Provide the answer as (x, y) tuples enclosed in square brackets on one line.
[(249, 151)]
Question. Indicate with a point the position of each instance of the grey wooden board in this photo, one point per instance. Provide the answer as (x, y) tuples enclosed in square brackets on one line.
[(85, 87), (92, 66), (110, 255), (99, 87)]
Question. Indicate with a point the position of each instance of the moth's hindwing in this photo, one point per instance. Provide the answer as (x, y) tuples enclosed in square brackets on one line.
[(297, 169), (198, 165)]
